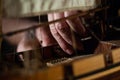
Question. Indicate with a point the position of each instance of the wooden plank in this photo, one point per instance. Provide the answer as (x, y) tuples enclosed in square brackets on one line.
[(88, 64), (116, 55), (56, 73), (52, 73), (101, 74), (80, 67), (40, 75)]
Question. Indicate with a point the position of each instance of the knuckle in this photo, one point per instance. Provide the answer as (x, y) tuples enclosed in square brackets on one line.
[(54, 32), (52, 26), (60, 27)]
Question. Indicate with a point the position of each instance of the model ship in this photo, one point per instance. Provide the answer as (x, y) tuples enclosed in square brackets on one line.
[(98, 61)]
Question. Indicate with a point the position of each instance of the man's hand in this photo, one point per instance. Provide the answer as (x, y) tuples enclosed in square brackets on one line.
[(61, 30)]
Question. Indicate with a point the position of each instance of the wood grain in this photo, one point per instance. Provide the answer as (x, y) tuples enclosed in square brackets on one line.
[(116, 56), (88, 64), (102, 74)]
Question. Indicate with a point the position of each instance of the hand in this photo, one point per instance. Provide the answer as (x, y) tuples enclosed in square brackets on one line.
[(61, 30)]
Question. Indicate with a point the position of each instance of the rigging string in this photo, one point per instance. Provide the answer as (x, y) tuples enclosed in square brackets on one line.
[(40, 53), (42, 24), (74, 44), (47, 23)]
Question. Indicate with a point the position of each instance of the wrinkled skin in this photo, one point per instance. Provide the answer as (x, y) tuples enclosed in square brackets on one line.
[(56, 33), (61, 30)]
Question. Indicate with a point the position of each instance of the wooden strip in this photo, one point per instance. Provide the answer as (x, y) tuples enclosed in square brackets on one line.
[(55, 73), (52, 73), (10, 77), (40, 75), (101, 74), (116, 55), (89, 64)]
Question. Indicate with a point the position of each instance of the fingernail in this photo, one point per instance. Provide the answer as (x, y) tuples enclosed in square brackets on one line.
[(69, 51)]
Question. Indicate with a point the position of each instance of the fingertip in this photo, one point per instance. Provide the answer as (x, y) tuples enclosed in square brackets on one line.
[(70, 52)]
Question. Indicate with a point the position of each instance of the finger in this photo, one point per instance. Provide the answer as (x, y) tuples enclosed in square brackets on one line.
[(75, 23), (62, 28), (27, 44), (44, 36), (63, 44), (77, 26)]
